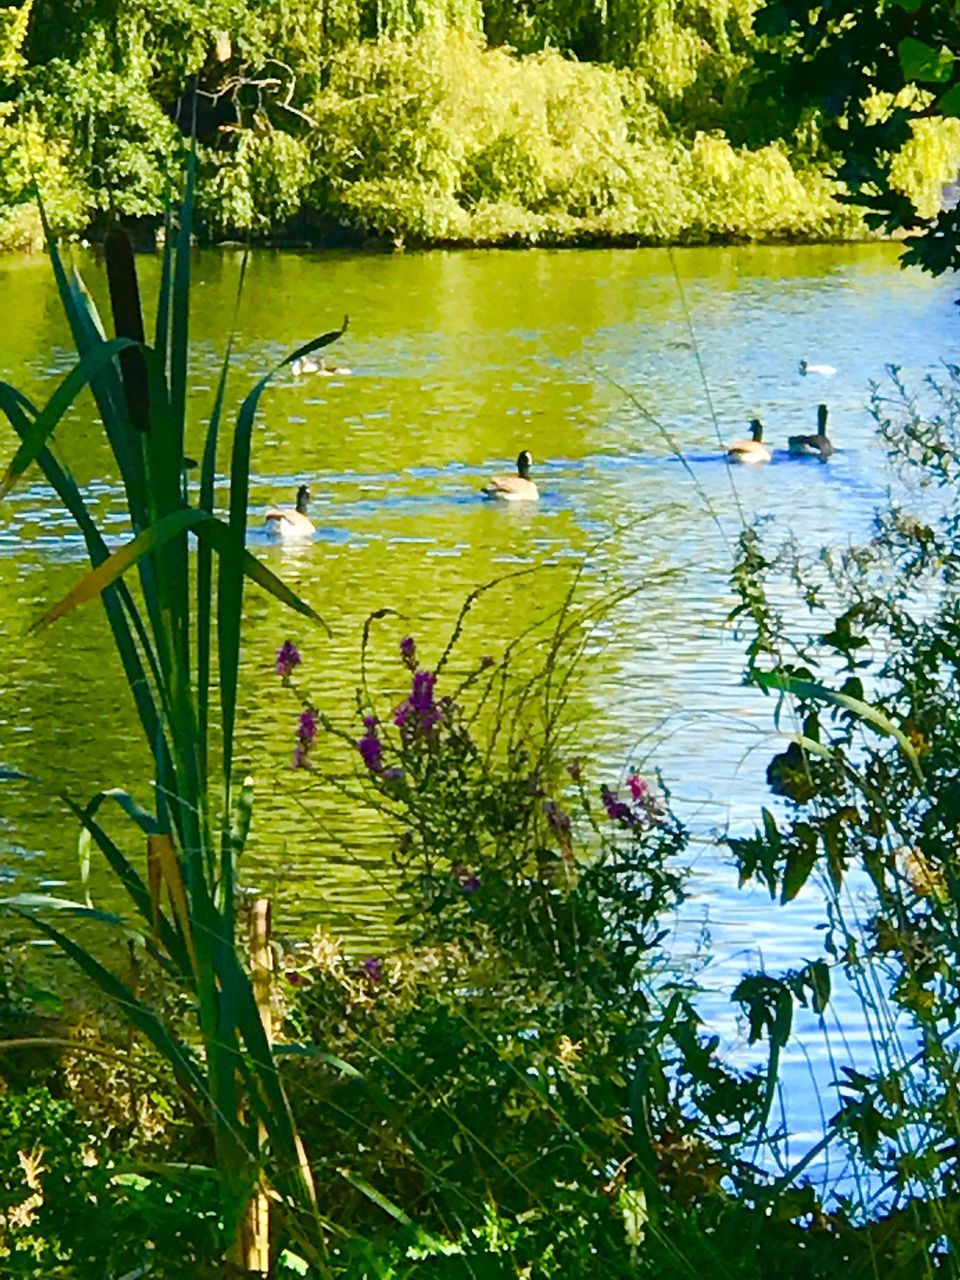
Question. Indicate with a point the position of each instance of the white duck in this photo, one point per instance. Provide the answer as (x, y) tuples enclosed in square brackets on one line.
[(823, 370), (306, 364)]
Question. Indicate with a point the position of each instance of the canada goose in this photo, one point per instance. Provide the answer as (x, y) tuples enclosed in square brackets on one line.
[(291, 524), (752, 450), (518, 488), (306, 364), (824, 370), (818, 446)]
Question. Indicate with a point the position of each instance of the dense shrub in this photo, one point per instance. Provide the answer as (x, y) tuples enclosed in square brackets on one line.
[(441, 139), (577, 123)]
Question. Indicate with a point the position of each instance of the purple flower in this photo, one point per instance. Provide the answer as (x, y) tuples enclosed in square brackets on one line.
[(371, 749), (288, 657), (573, 768), (418, 713), (485, 662), (295, 979), (373, 968), (644, 807), (392, 775), (617, 810), (299, 758), (408, 652), (307, 728)]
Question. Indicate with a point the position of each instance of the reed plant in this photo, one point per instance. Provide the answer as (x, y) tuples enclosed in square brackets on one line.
[(177, 637)]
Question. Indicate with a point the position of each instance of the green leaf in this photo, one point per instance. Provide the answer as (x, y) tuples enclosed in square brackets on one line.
[(377, 1197), (920, 61), (218, 535), (205, 550), (949, 104), (84, 845), (143, 818), (230, 586), (180, 317), (862, 710), (93, 583), (62, 399), (117, 602), (143, 1018), (137, 891), (801, 859)]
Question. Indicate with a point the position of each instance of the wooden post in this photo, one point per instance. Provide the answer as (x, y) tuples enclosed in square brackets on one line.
[(255, 1229)]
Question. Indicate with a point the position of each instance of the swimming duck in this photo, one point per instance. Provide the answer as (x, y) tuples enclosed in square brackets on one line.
[(752, 450), (824, 370), (818, 446), (306, 364), (291, 524), (518, 488)]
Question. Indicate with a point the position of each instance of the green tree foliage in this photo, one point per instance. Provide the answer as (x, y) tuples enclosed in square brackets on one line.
[(442, 139), (875, 79), (455, 121)]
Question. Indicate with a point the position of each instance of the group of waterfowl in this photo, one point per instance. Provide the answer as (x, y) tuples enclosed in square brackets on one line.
[(307, 365), (754, 450), (296, 523)]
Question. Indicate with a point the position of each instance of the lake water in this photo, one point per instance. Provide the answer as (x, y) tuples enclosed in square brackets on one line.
[(458, 361)]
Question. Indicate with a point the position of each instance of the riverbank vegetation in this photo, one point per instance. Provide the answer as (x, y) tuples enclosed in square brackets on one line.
[(522, 1086), (423, 122)]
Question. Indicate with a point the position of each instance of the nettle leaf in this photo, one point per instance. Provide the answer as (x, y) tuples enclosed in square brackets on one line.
[(920, 61), (801, 859), (768, 1004)]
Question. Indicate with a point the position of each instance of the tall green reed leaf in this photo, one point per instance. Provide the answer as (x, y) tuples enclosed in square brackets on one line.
[(164, 639)]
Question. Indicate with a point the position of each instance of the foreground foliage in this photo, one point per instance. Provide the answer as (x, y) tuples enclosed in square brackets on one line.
[(522, 1086), (176, 865)]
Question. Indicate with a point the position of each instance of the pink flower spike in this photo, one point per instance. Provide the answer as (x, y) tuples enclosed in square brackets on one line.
[(639, 787)]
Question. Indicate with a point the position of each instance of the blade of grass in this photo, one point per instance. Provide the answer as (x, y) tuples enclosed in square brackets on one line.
[(41, 428), (92, 584), (235, 564), (119, 605), (810, 689), (205, 549), (217, 534), (140, 1014)]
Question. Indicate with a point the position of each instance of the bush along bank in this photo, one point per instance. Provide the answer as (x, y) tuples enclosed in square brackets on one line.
[(417, 132)]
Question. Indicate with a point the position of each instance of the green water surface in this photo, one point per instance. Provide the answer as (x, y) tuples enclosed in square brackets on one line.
[(458, 361)]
